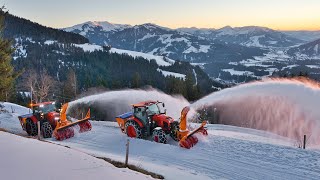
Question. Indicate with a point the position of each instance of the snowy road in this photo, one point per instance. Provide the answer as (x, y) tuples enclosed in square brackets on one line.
[(228, 152)]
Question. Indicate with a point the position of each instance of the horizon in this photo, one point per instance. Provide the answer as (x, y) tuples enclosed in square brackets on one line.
[(209, 14)]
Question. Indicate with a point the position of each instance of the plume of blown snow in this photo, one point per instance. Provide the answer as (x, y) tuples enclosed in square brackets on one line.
[(288, 107), (113, 103)]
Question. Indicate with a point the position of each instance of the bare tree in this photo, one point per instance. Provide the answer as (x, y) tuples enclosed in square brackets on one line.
[(40, 85), (29, 83), (44, 85)]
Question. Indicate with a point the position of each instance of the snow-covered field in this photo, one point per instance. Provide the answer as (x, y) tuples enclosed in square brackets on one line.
[(27, 158), (227, 153)]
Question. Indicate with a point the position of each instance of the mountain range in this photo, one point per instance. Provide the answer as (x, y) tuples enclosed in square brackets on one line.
[(230, 54)]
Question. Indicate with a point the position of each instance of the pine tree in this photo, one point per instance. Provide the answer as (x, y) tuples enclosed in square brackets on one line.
[(7, 75), (136, 80), (70, 85)]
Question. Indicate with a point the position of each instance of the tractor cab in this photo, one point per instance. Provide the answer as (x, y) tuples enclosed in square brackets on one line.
[(43, 108), (145, 110), (46, 111)]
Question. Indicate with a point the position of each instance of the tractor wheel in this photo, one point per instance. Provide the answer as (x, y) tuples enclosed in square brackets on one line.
[(158, 135), (31, 128), (133, 129), (174, 130), (46, 130)]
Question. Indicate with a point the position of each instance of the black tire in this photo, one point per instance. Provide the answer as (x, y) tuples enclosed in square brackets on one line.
[(158, 135), (31, 128), (132, 125), (174, 129), (46, 130)]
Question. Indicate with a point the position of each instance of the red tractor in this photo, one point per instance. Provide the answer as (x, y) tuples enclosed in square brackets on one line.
[(148, 119), (52, 121), (46, 113)]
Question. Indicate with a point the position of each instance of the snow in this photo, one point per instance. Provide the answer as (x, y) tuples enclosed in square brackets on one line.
[(89, 47), (289, 67), (316, 48), (27, 158), (105, 25), (147, 36), (226, 153), (272, 42), (237, 73), (49, 42), (228, 30), (195, 77), (254, 41), (202, 48), (20, 51), (9, 117), (313, 66), (159, 59), (168, 73)]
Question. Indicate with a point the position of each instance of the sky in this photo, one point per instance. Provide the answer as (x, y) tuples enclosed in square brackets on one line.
[(275, 14)]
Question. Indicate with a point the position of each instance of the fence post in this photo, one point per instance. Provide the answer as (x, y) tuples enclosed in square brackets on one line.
[(39, 130), (127, 153), (304, 141)]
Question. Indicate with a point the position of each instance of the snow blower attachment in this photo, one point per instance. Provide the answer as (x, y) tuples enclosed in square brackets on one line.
[(186, 138), (64, 128), (147, 119)]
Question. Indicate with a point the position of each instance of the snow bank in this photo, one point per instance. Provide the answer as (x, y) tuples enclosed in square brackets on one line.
[(9, 117), (25, 158)]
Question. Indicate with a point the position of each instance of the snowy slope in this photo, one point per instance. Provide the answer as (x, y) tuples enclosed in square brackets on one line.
[(228, 153), (160, 60), (25, 158)]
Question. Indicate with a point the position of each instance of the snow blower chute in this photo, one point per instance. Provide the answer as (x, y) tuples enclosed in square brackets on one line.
[(147, 119), (65, 128)]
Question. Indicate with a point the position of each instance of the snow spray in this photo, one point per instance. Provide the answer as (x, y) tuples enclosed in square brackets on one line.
[(288, 107), (112, 103)]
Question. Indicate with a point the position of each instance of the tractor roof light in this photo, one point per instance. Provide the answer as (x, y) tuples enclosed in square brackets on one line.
[(41, 105)]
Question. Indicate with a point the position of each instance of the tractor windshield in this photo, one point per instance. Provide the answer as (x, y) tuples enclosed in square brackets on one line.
[(45, 108), (153, 109)]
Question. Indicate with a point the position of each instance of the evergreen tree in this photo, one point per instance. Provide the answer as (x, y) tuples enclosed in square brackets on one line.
[(70, 85), (136, 80), (7, 75)]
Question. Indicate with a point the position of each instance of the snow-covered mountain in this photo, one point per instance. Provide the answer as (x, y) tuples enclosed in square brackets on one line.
[(308, 50), (308, 36), (84, 28), (228, 54), (250, 36), (154, 39)]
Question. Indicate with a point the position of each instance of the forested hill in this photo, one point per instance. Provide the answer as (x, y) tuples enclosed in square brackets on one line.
[(41, 50), (20, 27)]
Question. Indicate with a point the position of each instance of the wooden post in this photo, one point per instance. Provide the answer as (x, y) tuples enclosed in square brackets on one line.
[(39, 130), (304, 141), (127, 153)]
